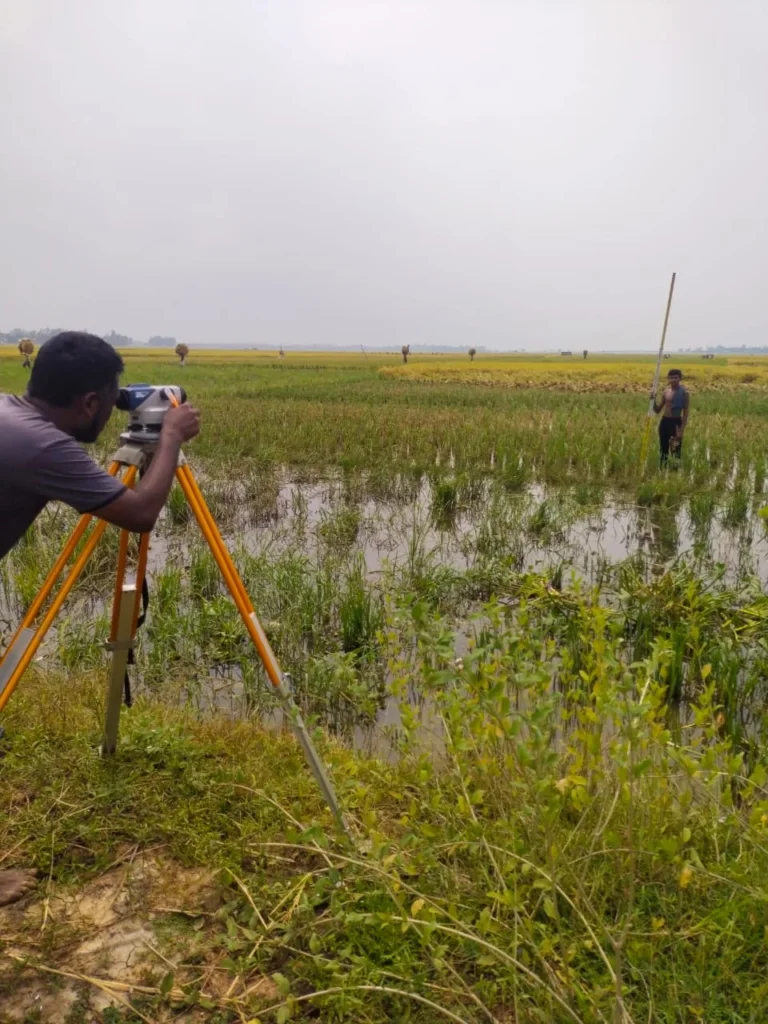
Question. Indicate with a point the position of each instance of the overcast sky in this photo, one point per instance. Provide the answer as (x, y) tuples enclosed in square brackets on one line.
[(521, 173)]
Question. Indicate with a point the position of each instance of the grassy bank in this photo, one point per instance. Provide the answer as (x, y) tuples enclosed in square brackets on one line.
[(570, 851)]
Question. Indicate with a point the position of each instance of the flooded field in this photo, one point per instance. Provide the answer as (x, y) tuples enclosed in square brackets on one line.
[(536, 672), (540, 528), (328, 564)]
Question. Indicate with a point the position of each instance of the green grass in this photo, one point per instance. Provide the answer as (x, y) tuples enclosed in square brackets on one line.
[(337, 411), (527, 872), (571, 822)]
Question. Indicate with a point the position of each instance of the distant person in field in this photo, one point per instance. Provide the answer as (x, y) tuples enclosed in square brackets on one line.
[(673, 406), (71, 394)]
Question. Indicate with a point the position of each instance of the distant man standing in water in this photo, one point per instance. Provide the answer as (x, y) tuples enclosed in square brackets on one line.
[(673, 406)]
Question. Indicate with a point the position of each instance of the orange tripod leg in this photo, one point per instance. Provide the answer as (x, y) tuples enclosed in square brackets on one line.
[(122, 558), (230, 574), (58, 601), (50, 581), (196, 495), (125, 615), (258, 636), (141, 572)]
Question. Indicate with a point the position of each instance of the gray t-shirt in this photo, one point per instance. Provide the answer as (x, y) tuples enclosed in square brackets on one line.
[(40, 463)]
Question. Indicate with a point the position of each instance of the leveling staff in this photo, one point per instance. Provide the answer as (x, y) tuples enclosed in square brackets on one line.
[(71, 394)]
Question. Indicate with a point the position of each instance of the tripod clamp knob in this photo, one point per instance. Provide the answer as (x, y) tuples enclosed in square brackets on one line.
[(119, 645)]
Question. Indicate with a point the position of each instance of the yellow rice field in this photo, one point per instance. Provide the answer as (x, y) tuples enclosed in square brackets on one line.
[(628, 374)]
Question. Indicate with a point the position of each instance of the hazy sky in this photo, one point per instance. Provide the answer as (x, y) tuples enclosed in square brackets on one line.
[(521, 173)]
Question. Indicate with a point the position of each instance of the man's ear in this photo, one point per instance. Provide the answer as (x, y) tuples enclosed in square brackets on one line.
[(90, 402)]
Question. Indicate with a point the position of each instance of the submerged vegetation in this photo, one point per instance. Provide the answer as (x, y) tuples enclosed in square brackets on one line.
[(537, 674)]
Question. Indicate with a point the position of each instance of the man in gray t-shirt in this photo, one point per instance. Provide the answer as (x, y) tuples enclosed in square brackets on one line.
[(40, 463), (71, 394)]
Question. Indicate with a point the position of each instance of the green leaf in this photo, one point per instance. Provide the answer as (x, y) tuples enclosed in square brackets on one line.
[(549, 908), (282, 983), (283, 1014), (167, 983), (416, 907), (579, 797), (315, 945), (484, 921)]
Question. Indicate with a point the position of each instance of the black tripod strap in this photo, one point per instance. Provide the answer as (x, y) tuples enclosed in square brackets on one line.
[(139, 624)]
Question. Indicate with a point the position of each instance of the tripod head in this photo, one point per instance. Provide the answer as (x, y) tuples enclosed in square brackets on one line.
[(147, 404)]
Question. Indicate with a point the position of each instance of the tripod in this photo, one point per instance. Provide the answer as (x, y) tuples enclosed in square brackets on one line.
[(130, 460)]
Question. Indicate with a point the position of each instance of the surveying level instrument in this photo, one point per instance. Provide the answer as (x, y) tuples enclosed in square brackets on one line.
[(147, 405)]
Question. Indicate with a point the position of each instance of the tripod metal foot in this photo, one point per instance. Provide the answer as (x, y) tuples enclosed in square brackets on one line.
[(310, 753), (120, 646)]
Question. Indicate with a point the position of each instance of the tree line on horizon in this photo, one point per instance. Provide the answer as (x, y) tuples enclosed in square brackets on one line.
[(42, 334)]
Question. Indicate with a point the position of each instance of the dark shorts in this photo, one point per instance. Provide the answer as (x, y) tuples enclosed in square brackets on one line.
[(668, 427)]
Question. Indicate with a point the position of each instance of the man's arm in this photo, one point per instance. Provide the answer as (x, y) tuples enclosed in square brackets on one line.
[(137, 510), (686, 407), (657, 406), (62, 471)]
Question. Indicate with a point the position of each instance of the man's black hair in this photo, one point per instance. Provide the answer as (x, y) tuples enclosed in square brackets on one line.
[(71, 364), (675, 373)]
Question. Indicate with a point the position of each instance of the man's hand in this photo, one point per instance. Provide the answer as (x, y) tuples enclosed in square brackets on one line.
[(181, 423), (137, 510)]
